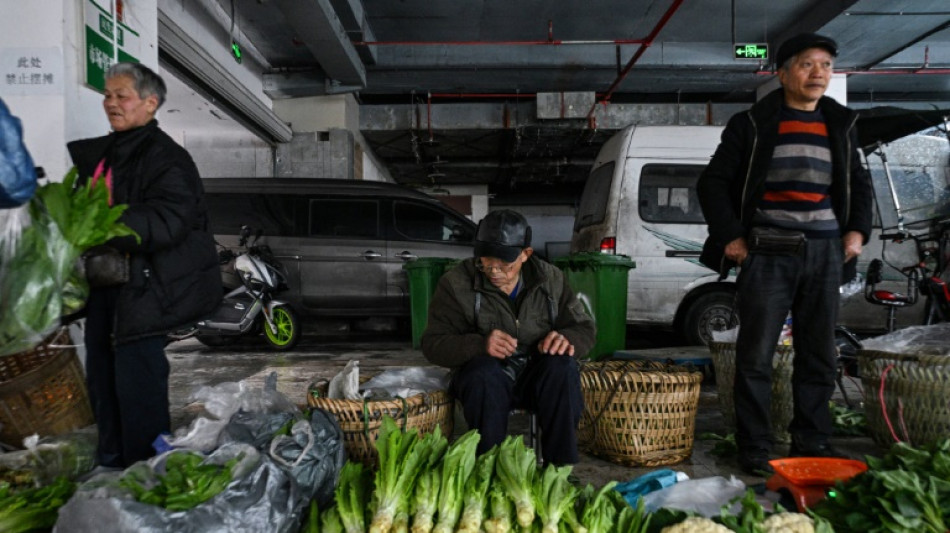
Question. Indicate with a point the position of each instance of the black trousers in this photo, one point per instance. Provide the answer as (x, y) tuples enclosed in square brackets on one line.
[(769, 286), (549, 386), (128, 385)]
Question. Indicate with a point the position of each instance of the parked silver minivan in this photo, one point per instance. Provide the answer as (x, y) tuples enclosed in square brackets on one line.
[(343, 243)]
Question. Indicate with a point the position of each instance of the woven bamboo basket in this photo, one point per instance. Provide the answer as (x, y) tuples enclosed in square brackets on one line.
[(639, 413), (916, 396), (43, 391), (361, 420), (724, 361)]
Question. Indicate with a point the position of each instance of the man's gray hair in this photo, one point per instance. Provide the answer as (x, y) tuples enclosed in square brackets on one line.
[(146, 81)]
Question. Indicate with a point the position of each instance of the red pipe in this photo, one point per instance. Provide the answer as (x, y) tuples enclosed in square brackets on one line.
[(636, 56), (496, 43)]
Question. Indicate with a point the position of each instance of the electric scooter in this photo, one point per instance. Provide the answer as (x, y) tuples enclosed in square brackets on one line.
[(250, 308)]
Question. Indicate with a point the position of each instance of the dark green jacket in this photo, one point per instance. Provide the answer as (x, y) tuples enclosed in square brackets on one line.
[(454, 335)]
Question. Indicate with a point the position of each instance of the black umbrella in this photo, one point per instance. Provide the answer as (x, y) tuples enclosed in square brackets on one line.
[(887, 123)]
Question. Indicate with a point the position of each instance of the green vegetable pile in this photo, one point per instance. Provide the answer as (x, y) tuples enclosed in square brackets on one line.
[(33, 508), (906, 490), (187, 483), (38, 280), (848, 421), (424, 484)]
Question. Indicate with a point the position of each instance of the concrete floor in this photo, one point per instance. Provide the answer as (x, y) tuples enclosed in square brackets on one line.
[(323, 352)]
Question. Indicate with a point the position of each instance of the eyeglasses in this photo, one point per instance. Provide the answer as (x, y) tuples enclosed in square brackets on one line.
[(506, 268)]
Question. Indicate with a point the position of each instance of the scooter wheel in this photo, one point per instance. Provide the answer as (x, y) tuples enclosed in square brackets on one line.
[(288, 329)]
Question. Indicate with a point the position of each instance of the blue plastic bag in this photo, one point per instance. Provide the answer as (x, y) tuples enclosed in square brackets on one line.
[(17, 173)]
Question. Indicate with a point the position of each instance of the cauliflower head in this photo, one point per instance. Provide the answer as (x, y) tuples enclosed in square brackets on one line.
[(787, 522), (696, 524)]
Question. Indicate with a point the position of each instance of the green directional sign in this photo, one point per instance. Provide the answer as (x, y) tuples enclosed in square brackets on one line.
[(101, 32), (751, 51)]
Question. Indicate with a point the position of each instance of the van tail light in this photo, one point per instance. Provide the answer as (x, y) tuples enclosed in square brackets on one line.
[(608, 245)]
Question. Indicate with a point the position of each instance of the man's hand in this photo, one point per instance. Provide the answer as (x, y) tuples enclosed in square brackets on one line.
[(556, 344), (500, 345), (852, 242), (737, 250)]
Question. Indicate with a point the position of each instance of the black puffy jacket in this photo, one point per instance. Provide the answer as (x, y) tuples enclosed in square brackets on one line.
[(732, 185), (175, 278)]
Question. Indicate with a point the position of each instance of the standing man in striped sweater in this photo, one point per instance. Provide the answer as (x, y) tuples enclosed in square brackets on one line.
[(787, 201)]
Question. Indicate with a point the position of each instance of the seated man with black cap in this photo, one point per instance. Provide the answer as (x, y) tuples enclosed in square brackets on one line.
[(510, 327)]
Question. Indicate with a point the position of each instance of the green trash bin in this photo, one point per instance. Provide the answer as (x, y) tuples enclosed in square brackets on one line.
[(424, 274), (600, 282)]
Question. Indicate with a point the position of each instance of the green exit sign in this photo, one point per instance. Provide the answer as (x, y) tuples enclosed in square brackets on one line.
[(752, 51)]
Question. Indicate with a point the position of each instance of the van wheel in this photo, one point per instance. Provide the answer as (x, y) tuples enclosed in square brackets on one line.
[(710, 312)]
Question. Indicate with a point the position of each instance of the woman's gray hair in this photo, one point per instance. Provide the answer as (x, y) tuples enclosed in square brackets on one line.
[(146, 81)]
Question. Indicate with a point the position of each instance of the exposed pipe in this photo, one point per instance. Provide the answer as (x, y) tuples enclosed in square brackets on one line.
[(893, 71), (636, 56), (482, 95), (499, 43)]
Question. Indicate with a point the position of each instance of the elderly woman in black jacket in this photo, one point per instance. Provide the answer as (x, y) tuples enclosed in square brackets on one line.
[(174, 277)]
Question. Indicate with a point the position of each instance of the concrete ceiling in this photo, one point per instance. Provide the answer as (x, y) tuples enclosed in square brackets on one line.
[(470, 91)]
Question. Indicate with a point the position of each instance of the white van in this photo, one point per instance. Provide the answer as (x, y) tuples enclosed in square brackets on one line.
[(640, 201)]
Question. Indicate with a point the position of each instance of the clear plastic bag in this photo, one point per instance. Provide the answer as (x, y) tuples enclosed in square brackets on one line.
[(705, 496), (313, 454), (406, 382), (933, 339), (345, 385), (69, 455), (222, 402), (34, 271)]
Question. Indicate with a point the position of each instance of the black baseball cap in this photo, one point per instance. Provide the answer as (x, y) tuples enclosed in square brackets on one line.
[(502, 234), (804, 41)]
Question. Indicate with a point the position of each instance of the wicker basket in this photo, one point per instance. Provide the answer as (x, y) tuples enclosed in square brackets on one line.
[(639, 413), (724, 361), (916, 396), (361, 420), (43, 391)]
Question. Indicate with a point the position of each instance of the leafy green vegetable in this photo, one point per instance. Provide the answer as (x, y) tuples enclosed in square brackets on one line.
[(312, 525), (425, 495), (554, 497), (476, 492), (330, 521), (186, 484), (725, 445), (457, 466), (908, 489), (847, 421), (352, 495), (402, 456), (34, 508), (516, 468), (501, 511), (38, 282)]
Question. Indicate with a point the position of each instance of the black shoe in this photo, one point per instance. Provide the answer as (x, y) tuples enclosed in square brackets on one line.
[(756, 463), (817, 450)]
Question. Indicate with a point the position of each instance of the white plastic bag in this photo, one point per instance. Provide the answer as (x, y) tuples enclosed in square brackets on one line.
[(705, 496), (346, 384), (406, 382)]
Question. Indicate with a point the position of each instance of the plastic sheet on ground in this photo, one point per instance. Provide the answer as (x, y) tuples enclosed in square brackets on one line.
[(915, 340), (261, 498), (705, 496)]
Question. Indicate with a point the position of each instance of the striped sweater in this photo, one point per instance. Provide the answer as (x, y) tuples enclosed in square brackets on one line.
[(798, 182)]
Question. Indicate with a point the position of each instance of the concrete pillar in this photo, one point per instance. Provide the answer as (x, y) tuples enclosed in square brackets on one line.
[(327, 141)]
